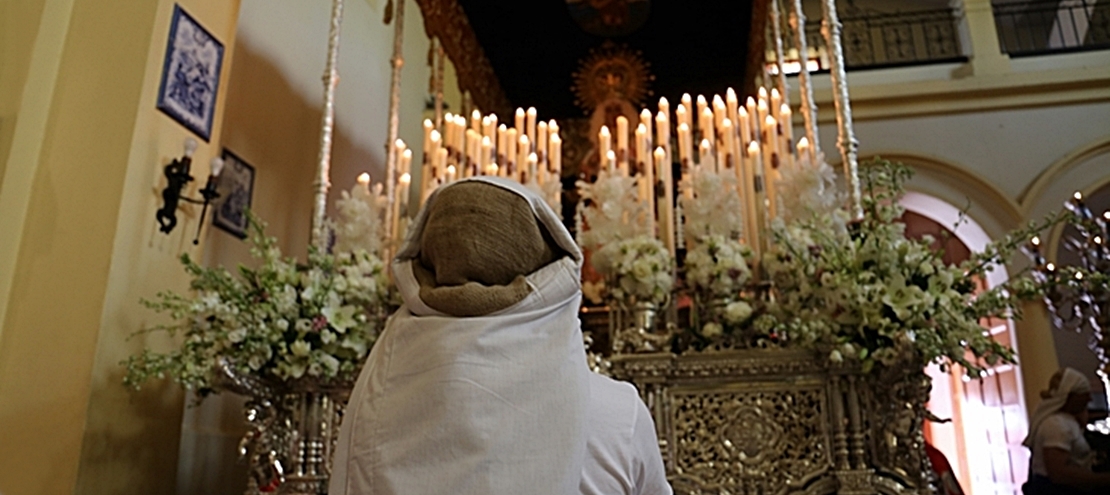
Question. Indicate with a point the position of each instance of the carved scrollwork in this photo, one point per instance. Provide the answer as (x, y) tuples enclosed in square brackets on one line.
[(781, 421)]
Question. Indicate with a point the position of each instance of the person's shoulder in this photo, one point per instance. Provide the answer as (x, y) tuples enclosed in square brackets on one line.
[(616, 401), (1060, 425)]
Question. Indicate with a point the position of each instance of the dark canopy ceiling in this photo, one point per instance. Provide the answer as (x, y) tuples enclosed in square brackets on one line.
[(534, 46)]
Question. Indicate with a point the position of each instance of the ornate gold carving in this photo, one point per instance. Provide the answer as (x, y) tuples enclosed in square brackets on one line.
[(612, 72), (446, 20), (781, 421)]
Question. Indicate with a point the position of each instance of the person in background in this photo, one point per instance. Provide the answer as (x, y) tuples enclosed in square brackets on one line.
[(479, 384), (1061, 458)]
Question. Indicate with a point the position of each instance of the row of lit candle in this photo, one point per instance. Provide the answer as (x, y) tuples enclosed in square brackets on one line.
[(751, 141), (529, 152)]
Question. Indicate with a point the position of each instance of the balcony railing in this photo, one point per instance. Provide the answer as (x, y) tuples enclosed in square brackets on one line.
[(1040, 27), (878, 40)]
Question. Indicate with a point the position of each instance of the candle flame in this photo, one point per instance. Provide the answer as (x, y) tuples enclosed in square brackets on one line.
[(604, 130), (1036, 241), (520, 112), (753, 148), (405, 178), (785, 109), (1050, 267), (532, 111), (476, 114), (730, 95), (427, 123), (803, 143), (407, 154), (435, 136), (663, 101), (762, 93), (1078, 196), (450, 169), (364, 178), (775, 93)]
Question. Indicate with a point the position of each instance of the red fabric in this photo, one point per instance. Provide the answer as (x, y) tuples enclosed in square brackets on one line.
[(947, 484)]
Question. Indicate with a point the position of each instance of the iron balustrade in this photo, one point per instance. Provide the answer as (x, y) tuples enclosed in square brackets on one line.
[(878, 40), (1041, 27)]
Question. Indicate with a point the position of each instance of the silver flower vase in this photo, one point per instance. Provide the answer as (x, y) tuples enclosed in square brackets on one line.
[(293, 429), (635, 328)]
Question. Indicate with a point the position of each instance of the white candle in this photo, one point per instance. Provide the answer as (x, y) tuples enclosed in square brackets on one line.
[(404, 182), (448, 124), (510, 150), (476, 121), (718, 110), (556, 150), (776, 102), (604, 143), (803, 149), (502, 131), (681, 116), (753, 122), (492, 124), (484, 156), (450, 174), (610, 162), (427, 139), (541, 143), (532, 168), (531, 123), (732, 105), (645, 120), (552, 127), (647, 175), (664, 106), (706, 125), (441, 165), (755, 202), (523, 149), (786, 121), (663, 130), (362, 189), (666, 201), (518, 123), (685, 148), (622, 143), (705, 156), (702, 105), (744, 126), (641, 145), (727, 151)]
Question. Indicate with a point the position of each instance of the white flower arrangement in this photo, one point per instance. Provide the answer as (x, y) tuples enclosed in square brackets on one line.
[(280, 322), (864, 292), (716, 267), (609, 211), (359, 220), (637, 270), (715, 208)]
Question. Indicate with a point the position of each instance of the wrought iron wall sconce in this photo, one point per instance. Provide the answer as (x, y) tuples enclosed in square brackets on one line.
[(177, 177)]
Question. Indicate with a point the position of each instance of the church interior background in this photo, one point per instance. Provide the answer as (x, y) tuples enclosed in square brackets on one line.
[(1001, 106)]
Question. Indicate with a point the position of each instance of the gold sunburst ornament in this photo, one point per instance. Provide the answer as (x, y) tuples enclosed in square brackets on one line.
[(612, 71)]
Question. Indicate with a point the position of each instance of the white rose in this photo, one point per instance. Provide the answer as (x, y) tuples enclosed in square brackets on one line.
[(300, 348), (711, 330), (738, 312)]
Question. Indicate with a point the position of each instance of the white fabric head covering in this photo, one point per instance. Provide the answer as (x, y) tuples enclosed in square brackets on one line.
[(485, 405), (1071, 382)]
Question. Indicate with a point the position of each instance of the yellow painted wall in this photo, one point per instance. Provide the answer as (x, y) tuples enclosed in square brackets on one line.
[(89, 249), (18, 28)]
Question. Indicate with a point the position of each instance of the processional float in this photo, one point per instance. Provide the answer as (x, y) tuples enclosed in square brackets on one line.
[(732, 418)]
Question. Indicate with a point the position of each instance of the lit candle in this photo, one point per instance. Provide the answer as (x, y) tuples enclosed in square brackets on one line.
[(450, 174), (552, 127), (641, 146), (441, 167), (745, 125), (755, 202), (702, 105), (786, 121), (688, 103), (531, 123), (502, 131), (430, 170), (680, 115), (448, 125), (663, 130), (645, 120), (622, 144), (476, 121), (518, 124), (732, 105), (685, 148), (728, 150), (361, 190), (719, 110), (647, 178), (706, 124), (803, 149), (404, 182), (705, 156), (556, 150), (541, 143), (776, 102), (664, 106), (666, 201), (510, 150), (604, 142), (753, 122), (523, 149), (533, 162), (610, 162), (427, 139), (485, 155), (492, 125)]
